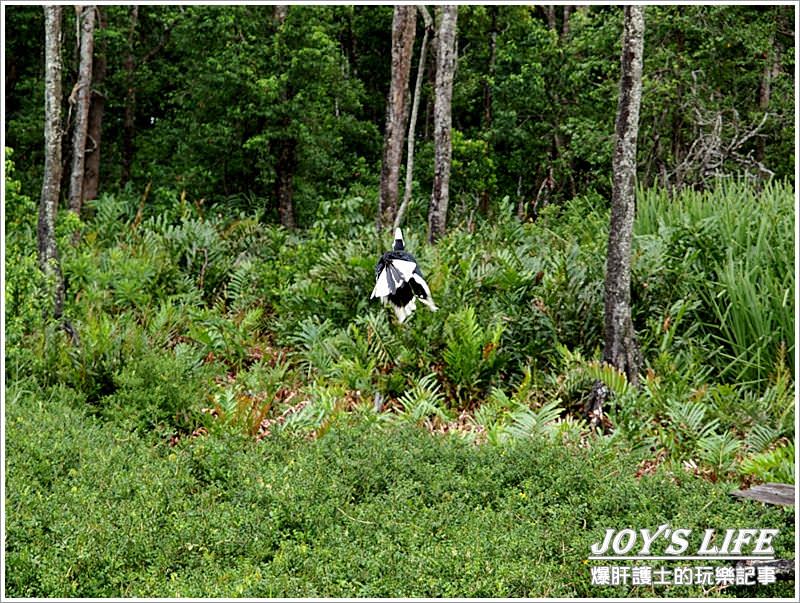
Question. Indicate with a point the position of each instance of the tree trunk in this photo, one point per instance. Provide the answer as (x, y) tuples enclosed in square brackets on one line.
[(91, 178), (445, 71), (550, 12), (129, 121), (621, 349), (565, 24), (403, 32), (51, 183), (82, 99), (286, 148), (398, 220), (559, 145), (430, 70), (488, 100), (772, 67), (488, 80), (279, 13), (284, 181)]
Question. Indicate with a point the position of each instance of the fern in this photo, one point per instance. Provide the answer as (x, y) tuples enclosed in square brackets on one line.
[(688, 417), (686, 428), (382, 344), (773, 466), (719, 452), (613, 378), (761, 437), (526, 422), (239, 288), (470, 352), (462, 355), (324, 404), (318, 344), (423, 401)]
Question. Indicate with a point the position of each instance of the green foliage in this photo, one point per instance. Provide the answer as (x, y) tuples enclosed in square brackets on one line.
[(223, 91), (160, 393), (726, 251), (424, 400), (471, 354), (527, 422), (24, 293), (223, 516), (202, 328), (222, 291), (772, 466)]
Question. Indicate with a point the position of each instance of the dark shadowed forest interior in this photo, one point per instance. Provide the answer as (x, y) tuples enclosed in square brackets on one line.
[(202, 399)]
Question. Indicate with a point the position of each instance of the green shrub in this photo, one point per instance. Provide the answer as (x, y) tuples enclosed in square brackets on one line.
[(159, 392), (96, 511), (24, 292)]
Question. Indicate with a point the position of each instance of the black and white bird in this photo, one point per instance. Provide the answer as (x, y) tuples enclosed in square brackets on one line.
[(399, 281)]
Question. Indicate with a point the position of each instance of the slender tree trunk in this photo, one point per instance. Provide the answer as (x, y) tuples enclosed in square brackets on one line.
[(129, 121), (279, 13), (772, 67), (286, 149), (558, 146), (550, 12), (91, 178), (82, 101), (398, 220), (488, 80), (51, 183), (430, 70), (677, 147), (565, 24), (403, 32), (284, 181), (445, 71), (621, 349)]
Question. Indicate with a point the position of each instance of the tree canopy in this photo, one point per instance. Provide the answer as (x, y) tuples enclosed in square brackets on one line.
[(218, 91)]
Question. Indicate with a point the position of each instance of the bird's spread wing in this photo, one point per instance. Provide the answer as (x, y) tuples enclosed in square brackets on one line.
[(381, 284), (393, 275), (405, 268), (421, 290)]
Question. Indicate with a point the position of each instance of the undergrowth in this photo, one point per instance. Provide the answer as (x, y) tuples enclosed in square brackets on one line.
[(198, 328), (365, 511)]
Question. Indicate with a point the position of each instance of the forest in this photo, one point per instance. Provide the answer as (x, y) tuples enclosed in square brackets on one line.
[(202, 396)]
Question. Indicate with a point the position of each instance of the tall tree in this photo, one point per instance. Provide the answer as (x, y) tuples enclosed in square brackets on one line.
[(51, 183), (442, 121), (621, 349), (403, 30), (91, 175), (129, 123), (286, 146), (81, 97), (412, 124), (771, 70)]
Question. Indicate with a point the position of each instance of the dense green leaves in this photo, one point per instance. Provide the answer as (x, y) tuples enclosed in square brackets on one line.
[(217, 92), (233, 416), (95, 512)]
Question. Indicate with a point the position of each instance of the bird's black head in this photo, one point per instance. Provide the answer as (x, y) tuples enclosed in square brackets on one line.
[(398, 240)]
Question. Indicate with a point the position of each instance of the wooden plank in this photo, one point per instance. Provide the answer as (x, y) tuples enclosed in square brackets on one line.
[(774, 494)]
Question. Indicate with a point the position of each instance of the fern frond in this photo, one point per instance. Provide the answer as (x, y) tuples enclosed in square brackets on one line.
[(526, 422), (773, 466), (424, 400), (613, 378)]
